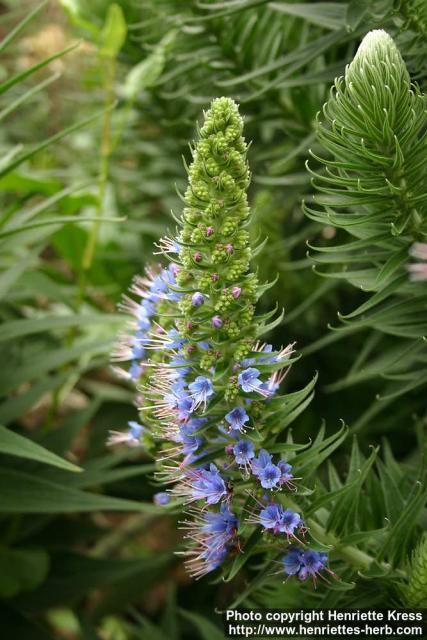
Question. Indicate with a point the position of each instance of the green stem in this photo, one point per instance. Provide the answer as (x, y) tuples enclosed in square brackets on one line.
[(106, 150)]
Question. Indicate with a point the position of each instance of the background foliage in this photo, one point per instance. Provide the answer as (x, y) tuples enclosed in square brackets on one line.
[(97, 105)]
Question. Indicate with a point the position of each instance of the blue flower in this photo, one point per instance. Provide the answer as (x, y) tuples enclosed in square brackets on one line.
[(289, 522), (143, 320), (304, 563), (268, 348), (285, 472), (249, 380), (207, 485), (259, 464), (135, 430), (157, 289), (237, 418), (169, 277), (312, 562), (222, 523), (178, 392), (270, 517), (161, 498), (131, 437), (138, 342), (213, 558), (185, 407), (292, 561), (279, 520), (270, 387), (243, 451), (269, 476), (148, 308), (176, 340), (168, 245), (186, 435), (138, 352), (179, 399), (197, 423), (180, 367), (135, 371), (201, 390), (217, 530)]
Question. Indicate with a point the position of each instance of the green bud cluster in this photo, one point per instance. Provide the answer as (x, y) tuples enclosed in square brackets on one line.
[(215, 253), (414, 591)]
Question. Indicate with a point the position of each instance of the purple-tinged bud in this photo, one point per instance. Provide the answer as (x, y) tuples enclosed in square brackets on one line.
[(190, 325), (229, 449), (197, 256), (210, 231), (214, 277), (190, 348), (162, 498), (174, 268), (217, 322), (235, 292), (229, 248), (197, 299)]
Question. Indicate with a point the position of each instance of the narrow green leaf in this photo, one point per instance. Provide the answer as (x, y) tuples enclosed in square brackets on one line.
[(323, 14), (10, 37), (9, 276), (25, 493), (25, 97), (60, 220), (14, 444), (46, 143), (31, 326), (396, 545), (49, 360), (19, 77)]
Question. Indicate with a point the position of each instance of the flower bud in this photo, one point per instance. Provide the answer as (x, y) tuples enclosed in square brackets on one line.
[(197, 299), (217, 322)]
